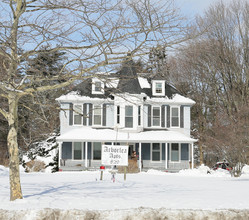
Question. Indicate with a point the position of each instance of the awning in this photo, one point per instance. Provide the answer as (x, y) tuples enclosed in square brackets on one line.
[(109, 135)]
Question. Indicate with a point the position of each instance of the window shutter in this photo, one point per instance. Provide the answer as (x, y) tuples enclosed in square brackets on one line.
[(84, 113), (182, 116), (163, 116), (90, 114), (168, 116), (149, 115), (71, 114), (104, 115)]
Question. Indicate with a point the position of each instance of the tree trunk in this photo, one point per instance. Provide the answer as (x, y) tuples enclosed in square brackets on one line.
[(14, 174)]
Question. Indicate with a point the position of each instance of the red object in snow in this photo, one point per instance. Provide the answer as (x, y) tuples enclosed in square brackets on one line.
[(102, 167)]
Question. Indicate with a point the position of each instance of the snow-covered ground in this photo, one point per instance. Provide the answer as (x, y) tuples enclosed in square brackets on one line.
[(187, 191)]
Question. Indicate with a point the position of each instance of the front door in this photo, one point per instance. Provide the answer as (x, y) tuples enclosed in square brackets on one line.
[(131, 149)]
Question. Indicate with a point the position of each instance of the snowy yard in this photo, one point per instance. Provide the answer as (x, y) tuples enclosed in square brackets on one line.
[(187, 190)]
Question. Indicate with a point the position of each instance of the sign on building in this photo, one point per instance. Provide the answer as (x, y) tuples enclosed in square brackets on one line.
[(114, 155)]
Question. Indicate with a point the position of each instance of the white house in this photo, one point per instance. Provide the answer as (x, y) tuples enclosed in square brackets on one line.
[(146, 114)]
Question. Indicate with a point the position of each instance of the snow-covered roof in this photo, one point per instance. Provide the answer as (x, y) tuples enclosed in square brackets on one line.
[(99, 135)]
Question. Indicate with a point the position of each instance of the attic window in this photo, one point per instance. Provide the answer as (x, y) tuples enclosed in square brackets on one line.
[(97, 86), (158, 88)]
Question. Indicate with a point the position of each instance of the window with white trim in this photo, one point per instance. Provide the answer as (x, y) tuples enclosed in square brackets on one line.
[(175, 152), (158, 87), (156, 116), (97, 115), (77, 114), (129, 116), (77, 151), (156, 152), (97, 86), (175, 117)]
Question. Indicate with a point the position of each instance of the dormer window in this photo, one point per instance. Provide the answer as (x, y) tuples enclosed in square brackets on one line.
[(97, 86), (158, 88)]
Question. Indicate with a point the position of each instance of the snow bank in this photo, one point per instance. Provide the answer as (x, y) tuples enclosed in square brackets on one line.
[(131, 214), (245, 170), (205, 171)]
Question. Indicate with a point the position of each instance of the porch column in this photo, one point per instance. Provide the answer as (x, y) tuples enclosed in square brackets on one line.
[(86, 146), (60, 153), (192, 156), (140, 156), (166, 155)]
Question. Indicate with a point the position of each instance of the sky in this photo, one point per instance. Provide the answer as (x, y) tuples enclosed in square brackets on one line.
[(193, 7)]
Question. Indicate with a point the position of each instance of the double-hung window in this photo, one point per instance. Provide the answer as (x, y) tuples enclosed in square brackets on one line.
[(77, 114), (128, 116), (175, 116), (156, 152), (139, 115), (156, 116), (97, 115)]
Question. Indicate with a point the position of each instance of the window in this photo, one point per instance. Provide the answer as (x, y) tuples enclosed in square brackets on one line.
[(175, 117), (98, 86), (97, 115), (156, 152), (156, 116), (139, 115), (96, 151), (118, 114), (128, 116), (77, 151), (174, 152), (77, 111), (184, 152), (159, 88)]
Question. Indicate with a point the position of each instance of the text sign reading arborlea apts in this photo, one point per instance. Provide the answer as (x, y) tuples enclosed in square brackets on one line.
[(114, 155)]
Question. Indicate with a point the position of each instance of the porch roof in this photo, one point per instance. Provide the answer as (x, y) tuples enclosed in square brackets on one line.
[(109, 135)]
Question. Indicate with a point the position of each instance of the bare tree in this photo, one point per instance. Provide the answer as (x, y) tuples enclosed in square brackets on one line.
[(93, 34), (215, 67)]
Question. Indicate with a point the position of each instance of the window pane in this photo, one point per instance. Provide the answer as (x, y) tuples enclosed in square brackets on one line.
[(156, 146), (156, 122), (128, 111), (175, 112), (77, 151), (97, 119), (128, 122), (174, 152), (156, 111), (158, 87), (175, 122), (97, 151), (156, 156), (77, 119), (97, 86), (184, 152)]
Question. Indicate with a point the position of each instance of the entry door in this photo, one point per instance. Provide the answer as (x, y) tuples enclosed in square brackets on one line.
[(131, 149)]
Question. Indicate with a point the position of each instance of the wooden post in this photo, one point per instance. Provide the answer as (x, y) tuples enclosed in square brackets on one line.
[(124, 173), (101, 175)]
